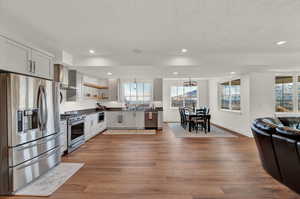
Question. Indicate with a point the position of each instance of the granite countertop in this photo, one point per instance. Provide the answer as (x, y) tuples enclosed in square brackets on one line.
[(142, 110), (84, 112), (90, 111), (97, 110)]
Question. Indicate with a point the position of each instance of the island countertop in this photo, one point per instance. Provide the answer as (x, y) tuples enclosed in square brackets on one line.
[(139, 109)]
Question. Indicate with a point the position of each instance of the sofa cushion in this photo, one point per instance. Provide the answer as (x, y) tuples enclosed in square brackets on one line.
[(274, 121), (288, 132), (268, 125), (292, 122)]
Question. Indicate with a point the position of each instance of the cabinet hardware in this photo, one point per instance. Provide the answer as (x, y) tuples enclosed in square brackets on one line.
[(34, 66), (30, 66)]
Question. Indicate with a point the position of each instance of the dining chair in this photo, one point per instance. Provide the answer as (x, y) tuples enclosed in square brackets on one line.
[(181, 116), (202, 111), (201, 120)]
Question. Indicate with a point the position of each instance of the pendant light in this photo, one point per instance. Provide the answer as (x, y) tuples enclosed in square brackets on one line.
[(189, 83)]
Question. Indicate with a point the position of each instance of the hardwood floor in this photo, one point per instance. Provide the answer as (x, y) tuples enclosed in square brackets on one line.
[(164, 167)]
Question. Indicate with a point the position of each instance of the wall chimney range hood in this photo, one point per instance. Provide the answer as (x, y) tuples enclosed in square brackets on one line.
[(74, 85), (61, 75)]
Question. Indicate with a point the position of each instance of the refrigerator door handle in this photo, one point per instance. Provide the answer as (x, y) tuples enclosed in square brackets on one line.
[(40, 108), (45, 111)]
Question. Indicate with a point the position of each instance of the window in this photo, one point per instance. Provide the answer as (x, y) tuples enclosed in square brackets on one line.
[(235, 91), (137, 92), (284, 93), (184, 96), (298, 92), (230, 95), (225, 95)]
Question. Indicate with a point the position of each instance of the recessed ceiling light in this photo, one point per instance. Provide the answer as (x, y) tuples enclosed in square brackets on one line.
[(232, 73), (109, 73), (175, 73), (92, 51), (184, 50), (281, 42)]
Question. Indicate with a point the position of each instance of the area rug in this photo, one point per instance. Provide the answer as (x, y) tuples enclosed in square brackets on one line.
[(51, 181), (180, 132), (129, 132)]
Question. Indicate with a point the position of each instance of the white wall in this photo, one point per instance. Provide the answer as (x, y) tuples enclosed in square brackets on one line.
[(172, 114), (235, 121), (262, 98), (257, 100)]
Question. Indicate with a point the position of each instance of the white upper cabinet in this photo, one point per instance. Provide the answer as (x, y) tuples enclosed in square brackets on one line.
[(18, 58), (42, 64)]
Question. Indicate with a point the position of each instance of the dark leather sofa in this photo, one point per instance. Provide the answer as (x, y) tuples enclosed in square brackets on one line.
[(278, 144)]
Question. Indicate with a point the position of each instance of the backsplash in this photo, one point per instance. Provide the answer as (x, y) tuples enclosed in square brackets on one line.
[(89, 104), (78, 105)]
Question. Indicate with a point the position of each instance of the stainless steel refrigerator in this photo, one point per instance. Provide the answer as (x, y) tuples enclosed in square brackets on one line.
[(29, 129)]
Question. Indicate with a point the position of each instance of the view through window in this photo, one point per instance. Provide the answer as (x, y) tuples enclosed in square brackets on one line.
[(137, 92), (225, 95), (298, 92), (230, 95), (235, 91), (284, 94), (184, 96)]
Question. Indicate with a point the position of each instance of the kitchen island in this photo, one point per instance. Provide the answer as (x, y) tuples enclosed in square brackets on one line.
[(119, 118)]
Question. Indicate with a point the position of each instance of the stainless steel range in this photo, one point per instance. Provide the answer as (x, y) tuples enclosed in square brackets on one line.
[(75, 123), (29, 130)]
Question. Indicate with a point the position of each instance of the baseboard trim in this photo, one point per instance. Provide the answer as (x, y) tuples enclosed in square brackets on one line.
[(231, 131)]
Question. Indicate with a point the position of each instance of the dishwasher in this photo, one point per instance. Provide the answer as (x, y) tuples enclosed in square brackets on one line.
[(151, 118)]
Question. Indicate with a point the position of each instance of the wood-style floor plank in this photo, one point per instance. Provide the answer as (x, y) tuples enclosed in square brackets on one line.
[(164, 167)]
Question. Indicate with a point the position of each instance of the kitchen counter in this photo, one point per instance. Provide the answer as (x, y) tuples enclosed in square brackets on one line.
[(97, 110), (83, 112), (139, 109), (120, 118), (90, 111), (131, 119)]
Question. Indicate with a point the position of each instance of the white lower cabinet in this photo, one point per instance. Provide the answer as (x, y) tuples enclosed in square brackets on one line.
[(87, 127), (94, 130), (125, 120), (160, 120), (92, 127), (63, 136)]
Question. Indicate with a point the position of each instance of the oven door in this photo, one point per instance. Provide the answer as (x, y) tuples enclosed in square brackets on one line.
[(75, 132)]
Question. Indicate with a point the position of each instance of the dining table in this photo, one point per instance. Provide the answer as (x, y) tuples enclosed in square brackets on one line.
[(192, 114)]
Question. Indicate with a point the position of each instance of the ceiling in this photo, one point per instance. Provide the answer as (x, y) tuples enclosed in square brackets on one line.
[(144, 37)]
